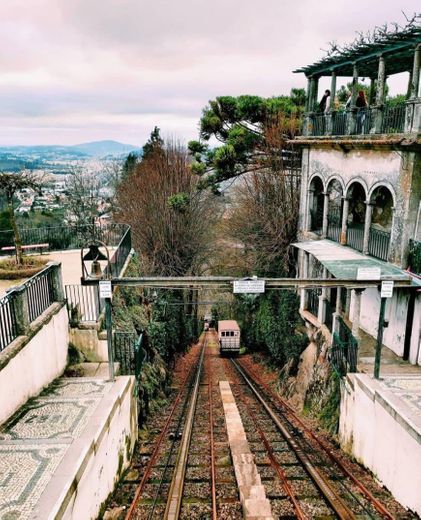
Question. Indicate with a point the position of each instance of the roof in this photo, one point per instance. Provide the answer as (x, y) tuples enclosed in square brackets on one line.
[(228, 324), (343, 262), (365, 51)]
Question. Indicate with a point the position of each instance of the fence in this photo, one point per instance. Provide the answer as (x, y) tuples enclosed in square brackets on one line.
[(334, 223), (393, 121), (378, 243), (24, 304), (313, 301), (83, 303), (344, 350), (414, 256), (128, 351), (60, 238), (355, 236), (339, 123), (120, 255)]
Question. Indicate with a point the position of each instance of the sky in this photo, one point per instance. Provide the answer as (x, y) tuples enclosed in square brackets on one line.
[(73, 71)]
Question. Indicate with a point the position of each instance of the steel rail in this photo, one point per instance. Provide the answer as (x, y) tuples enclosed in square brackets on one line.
[(157, 446), (191, 282), (175, 495), (300, 514), (330, 494), (287, 408), (212, 440)]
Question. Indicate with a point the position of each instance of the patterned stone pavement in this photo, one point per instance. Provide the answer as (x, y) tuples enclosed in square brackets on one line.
[(407, 388), (34, 441)]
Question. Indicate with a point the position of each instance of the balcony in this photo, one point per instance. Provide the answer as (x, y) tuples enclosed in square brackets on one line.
[(363, 121)]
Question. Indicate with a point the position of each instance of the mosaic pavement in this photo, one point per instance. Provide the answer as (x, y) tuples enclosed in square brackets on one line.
[(34, 441), (407, 388)]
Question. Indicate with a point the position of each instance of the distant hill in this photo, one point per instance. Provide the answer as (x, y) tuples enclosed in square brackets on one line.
[(103, 148), (93, 149)]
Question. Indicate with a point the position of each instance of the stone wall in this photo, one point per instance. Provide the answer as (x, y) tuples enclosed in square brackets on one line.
[(33, 361), (383, 434)]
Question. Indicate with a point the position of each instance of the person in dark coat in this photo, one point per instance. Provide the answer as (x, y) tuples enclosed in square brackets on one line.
[(325, 102)]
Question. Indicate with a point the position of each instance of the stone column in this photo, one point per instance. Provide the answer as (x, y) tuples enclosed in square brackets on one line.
[(307, 120), (356, 313), (338, 310), (367, 224), (57, 282), (347, 302), (19, 298), (304, 274), (416, 72), (372, 93), (308, 94), (331, 114), (381, 82), (325, 214), (352, 112), (321, 315), (345, 212), (310, 199), (314, 92)]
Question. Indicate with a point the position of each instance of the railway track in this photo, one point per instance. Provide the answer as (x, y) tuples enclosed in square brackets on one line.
[(344, 496), (190, 473)]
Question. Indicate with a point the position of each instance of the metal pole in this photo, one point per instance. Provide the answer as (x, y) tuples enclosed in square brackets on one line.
[(379, 339), (109, 325)]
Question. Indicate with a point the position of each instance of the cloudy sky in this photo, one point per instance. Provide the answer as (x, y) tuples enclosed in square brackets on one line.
[(84, 70)]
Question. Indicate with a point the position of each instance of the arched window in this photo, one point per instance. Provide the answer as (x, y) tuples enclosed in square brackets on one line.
[(316, 205), (334, 212), (356, 215)]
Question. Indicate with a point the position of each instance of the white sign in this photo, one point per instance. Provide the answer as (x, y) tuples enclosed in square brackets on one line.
[(387, 289), (249, 286), (368, 273), (105, 290)]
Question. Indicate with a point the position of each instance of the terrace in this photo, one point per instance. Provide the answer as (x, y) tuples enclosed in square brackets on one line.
[(387, 54)]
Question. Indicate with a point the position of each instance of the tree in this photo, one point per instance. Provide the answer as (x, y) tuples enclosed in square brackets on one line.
[(246, 126), (171, 220), (10, 185), (129, 164), (154, 142), (83, 194)]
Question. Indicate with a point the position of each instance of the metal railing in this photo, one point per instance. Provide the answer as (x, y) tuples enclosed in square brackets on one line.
[(8, 323), (334, 227), (393, 120), (39, 293), (344, 351), (120, 255), (83, 303), (128, 352), (378, 243), (414, 256), (355, 236), (25, 303), (313, 301), (316, 220), (61, 238), (339, 123), (364, 120)]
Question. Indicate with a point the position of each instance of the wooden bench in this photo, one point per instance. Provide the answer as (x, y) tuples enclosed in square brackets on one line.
[(28, 247)]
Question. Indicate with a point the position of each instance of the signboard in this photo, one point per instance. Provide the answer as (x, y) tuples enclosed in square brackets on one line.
[(387, 289), (249, 286), (105, 289), (368, 273)]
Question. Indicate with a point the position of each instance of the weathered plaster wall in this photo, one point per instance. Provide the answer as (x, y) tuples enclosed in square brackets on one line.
[(32, 362), (396, 312), (90, 342), (398, 171), (384, 435)]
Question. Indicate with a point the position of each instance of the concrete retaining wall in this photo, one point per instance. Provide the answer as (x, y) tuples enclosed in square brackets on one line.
[(95, 461), (384, 434), (32, 362)]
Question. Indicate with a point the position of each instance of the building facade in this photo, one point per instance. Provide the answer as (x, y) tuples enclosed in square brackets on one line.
[(360, 198)]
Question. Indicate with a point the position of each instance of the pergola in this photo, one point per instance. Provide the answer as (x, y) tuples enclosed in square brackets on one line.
[(375, 56)]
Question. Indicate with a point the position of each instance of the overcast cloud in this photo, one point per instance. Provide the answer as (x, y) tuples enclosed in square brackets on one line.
[(84, 70)]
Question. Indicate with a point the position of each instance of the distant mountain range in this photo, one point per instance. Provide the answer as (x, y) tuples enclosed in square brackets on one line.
[(93, 149)]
